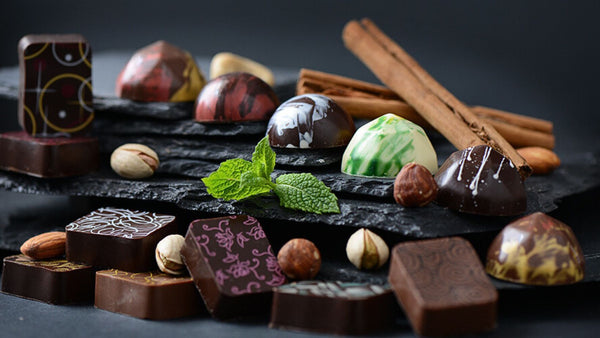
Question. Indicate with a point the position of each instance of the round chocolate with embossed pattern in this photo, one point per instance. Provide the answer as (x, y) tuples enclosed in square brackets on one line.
[(310, 121), (537, 250), (235, 97)]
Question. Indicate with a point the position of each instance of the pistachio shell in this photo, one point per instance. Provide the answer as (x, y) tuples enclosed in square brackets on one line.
[(366, 250), (168, 255)]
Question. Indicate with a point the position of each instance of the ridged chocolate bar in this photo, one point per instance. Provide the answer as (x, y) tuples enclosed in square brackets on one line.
[(55, 281), (55, 88), (442, 286), (333, 307), (232, 264), (118, 238), (147, 295), (48, 157)]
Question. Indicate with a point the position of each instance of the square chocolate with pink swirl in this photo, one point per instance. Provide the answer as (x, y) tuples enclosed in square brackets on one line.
[(232, 264)]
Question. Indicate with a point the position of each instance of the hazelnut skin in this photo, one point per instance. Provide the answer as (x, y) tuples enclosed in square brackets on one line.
[(299, 259), (414, 186)]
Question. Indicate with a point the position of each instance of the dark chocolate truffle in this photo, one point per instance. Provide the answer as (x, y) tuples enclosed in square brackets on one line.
[(538, 250), (310, 121), (235, 97), (480, 180), (160, 72)]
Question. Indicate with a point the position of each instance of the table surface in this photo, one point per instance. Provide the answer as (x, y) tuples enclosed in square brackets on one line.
[(534, 58)]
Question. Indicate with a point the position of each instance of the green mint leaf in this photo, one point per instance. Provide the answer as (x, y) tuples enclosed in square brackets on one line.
[(305, 192), (226, 182), (263, 159), (259, 185)]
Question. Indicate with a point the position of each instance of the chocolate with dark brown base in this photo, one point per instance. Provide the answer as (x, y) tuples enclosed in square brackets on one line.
[(333, 307), (48, 157), (232, 264), (55, 88), (147, 295), (118, 238), (54, 281), (442, 287)]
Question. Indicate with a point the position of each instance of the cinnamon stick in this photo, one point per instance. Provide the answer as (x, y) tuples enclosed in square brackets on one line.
[(401, 73)]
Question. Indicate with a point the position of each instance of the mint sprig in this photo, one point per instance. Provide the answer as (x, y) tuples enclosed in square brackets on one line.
[(237, 179)]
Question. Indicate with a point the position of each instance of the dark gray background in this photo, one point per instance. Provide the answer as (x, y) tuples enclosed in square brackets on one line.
[(537, 58)]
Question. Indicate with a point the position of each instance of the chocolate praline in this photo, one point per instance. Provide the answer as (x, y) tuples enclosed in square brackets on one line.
[(480, 180), (235, 97), (310, 121)]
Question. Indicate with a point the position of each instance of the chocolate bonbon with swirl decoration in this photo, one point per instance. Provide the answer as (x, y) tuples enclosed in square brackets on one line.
[(118, 238), (232, 264), (442, 287), (537, 250)]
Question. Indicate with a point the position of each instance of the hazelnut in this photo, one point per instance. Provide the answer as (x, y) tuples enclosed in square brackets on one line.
[(414, 186), (366, 250), (299, 259), (134, 161), (168, 255)]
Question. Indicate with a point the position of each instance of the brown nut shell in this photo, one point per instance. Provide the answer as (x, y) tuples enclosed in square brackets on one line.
[(414, 186), (46, 245), (299, 259)]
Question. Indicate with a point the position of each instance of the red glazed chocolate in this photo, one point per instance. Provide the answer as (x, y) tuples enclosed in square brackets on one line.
[(537, 250), (310, 121), (160, 72), (55, 88), (235, 97)]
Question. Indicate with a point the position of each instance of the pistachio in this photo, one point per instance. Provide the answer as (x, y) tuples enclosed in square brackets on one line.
[(134, 161), (366, 250), (224, 63), (168, 255)]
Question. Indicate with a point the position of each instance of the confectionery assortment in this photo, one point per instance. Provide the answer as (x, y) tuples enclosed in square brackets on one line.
[(137, 263)]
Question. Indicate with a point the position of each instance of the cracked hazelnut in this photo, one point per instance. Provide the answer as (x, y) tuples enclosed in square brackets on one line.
[(168, 255), (366, 250), (299, 259), (134, 161), (414, 186)]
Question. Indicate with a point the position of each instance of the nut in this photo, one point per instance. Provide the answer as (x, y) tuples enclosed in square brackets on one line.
[(299, 259), (414, 186), (46, 245), (168, 255), (224, 63), (134, 161), (541, 160), (366, 250)]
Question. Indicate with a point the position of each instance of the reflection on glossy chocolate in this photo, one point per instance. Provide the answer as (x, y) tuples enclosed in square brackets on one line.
[(480, 180), (537, 250), (160, 72), (310, 121), (235, 97)]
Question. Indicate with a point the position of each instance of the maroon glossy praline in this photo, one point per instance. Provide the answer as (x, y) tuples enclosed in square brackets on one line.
[(310, 121), (235, 97)]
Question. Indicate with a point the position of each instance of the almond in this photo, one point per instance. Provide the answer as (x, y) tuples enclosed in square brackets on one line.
[(541, 160), (46, 245)]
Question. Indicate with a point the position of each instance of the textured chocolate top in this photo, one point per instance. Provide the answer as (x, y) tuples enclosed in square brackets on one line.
[(480, 180), (55, 265), (310, 121), (151, 278), (239, 254), (123, 223), (350, 291)]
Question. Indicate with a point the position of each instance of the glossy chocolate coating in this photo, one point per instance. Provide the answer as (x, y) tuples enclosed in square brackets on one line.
[(235, 97), (232, 264), (442, 287), (55, 88), (147, 295), (118, 238), (160, 72), (479, 180), (333, 307), (49, 156), (310, 121), (54, 281), (538, 250)]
